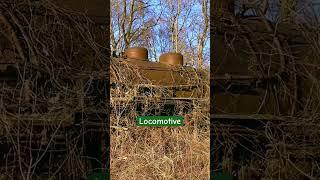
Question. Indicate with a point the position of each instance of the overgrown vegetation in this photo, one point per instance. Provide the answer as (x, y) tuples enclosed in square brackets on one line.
[(52, 59), (158, 152), (279, 42)]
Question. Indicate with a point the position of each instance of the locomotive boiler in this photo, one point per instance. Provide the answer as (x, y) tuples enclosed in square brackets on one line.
[(50, 53), (260, 84), (167, 86)]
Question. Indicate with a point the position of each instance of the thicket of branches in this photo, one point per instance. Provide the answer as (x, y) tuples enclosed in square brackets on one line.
[(162, 26), (280, 39), (56, 56), (158, 152)]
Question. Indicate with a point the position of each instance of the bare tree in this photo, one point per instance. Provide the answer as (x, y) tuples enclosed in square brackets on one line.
[(202, 37), (131, 23), (167, 25)]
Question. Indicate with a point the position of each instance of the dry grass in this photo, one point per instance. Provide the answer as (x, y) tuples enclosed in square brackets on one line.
[(289, 149), (160, 153), (156, 152), (57, 56)]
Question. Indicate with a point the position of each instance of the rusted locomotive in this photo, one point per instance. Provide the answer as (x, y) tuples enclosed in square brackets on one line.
[(258, 83), (168, 84), (52, 92)]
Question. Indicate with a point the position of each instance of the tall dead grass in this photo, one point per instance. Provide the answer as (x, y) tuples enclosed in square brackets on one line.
[(56, 57), (289, 44), (156, 152)]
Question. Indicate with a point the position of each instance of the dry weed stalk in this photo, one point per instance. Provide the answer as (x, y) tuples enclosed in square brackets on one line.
[(57, 57), (290, 51), (157, 152)]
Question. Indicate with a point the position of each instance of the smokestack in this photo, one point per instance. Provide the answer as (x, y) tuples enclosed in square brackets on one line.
[(139, 53), (171, 58)]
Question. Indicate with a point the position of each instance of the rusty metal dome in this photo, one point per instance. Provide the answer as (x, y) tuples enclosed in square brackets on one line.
[(139, 53), (171, 58)]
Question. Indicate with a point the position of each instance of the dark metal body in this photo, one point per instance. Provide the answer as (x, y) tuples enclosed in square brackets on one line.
[(156, 82), (45, 120), (252, 65)]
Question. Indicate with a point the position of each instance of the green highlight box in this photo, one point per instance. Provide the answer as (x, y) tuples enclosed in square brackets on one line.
[(156, 121), (222, 176)]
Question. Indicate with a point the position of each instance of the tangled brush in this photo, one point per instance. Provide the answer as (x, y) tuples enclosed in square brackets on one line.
[(158, 152), (54, 57), (286, 145)]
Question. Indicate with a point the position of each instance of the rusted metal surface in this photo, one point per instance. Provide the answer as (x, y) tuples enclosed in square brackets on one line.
[(64, 41), (156, 88), (259, 85), (162, 76), (174, 59), (16, 53), (251, 58), (138, 53)]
